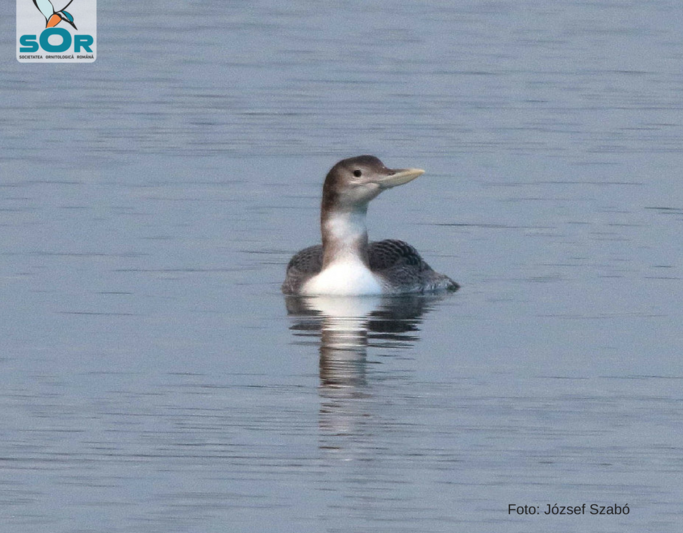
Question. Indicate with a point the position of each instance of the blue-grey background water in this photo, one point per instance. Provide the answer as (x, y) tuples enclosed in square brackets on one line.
[(151, 376)]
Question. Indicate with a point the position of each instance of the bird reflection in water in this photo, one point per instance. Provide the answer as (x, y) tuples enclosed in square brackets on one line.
[(346, 327)]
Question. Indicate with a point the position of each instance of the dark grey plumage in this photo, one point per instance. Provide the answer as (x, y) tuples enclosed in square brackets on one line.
[(402, 268)]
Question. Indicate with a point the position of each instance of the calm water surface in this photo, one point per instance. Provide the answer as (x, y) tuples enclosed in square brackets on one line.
[(152, 376)]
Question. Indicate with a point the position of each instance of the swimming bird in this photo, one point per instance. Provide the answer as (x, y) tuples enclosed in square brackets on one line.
[(346, 264), (52, 17)]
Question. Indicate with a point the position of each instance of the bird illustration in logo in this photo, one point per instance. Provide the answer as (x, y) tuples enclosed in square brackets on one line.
[(52, 17)]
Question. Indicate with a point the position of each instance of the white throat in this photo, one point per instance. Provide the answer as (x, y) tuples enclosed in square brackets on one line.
[(344, 273), (345, 230)]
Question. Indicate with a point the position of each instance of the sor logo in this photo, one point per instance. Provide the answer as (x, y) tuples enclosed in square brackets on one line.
[(67, 36)]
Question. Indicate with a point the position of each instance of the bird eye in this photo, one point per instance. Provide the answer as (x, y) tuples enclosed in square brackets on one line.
[(357, 173)]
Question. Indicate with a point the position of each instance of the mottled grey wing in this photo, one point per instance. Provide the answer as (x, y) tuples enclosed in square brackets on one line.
[(304, 265), (403, 269), (391, 253)]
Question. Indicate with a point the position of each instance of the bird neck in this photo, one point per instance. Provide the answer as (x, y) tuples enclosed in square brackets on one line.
[(345, 236)]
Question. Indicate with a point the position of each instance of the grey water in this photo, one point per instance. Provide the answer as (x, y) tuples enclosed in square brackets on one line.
[(152, 376)]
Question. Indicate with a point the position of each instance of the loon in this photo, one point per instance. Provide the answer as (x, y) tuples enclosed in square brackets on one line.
[(346, 264)]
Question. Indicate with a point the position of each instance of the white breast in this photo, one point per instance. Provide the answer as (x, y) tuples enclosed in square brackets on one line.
[(348, 277)]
